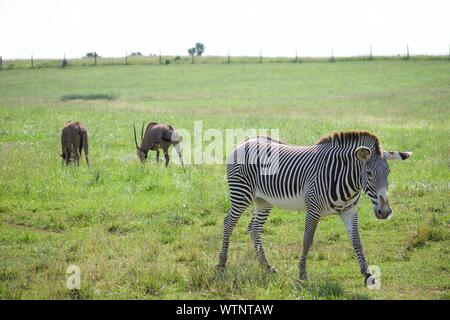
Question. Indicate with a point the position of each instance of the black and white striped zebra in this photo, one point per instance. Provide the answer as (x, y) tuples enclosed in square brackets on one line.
[(325, 178)]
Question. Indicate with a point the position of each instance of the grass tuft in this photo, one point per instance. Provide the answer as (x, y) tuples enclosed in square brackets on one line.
[(331, 290), (429, 230)]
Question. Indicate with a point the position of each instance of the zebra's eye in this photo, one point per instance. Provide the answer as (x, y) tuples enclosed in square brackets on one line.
[(369, 174)]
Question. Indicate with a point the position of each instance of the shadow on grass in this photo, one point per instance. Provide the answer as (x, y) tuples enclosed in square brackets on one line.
[(80, 294), (91, 96), (326, 290), (226, 284), (251, 282)]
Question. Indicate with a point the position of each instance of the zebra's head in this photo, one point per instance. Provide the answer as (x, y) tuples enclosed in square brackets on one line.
[(374, 177)]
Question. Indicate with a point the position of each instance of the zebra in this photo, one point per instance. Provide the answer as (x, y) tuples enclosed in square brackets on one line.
[(325, 178)]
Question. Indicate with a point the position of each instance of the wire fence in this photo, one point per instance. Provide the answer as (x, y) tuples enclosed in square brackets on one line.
[(93, 59)]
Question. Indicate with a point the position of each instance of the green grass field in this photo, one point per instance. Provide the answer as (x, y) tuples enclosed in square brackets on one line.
[(155, 233)]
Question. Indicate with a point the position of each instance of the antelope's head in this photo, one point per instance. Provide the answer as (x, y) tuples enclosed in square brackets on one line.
[(141, 153), (69, 155)]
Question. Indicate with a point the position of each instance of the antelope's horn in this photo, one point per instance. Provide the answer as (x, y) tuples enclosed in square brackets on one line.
[(142, 131), (135, 139)]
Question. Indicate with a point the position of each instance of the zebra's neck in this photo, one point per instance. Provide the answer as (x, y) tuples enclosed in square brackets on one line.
[(341, 173)]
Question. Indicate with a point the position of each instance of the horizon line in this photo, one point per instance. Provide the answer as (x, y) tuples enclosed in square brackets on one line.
[(234, 56)]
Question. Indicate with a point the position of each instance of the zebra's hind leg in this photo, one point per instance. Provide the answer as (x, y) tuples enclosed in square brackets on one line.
[(228, 225), (312, 219), (255, 228)]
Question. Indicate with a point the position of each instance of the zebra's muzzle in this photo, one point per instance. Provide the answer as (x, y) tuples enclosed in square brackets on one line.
[(383, 210)]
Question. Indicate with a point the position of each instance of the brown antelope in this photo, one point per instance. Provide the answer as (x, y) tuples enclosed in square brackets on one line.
[(158, 136), (74, 138)]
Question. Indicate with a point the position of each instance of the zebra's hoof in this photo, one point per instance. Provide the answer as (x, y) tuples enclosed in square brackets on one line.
[(219, 268), (303, 277), (370, 281), (271, 269)]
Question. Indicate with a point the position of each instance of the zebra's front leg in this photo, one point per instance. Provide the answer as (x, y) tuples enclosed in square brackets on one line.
[(255, 228), (350, 219), (312, 219)]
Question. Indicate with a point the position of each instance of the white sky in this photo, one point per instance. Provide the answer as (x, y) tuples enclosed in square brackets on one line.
[(50, 28)]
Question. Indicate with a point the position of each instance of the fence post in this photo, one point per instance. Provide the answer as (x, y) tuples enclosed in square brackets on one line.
[(260, 55), (95, 58), (370, 55), (229, 61), (407, 51), (332, 54), (64, 62), (32, 62), (296, 56), (159, 56), (126, 57)]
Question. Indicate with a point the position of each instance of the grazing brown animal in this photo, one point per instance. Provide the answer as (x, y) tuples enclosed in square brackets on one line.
[(158, 136), (74, 138)]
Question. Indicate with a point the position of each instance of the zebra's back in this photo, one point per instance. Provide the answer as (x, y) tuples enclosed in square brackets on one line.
[(276, 172)]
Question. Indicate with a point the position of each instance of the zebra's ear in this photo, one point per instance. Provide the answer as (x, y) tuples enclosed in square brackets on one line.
[(396, 155), (362, 153)]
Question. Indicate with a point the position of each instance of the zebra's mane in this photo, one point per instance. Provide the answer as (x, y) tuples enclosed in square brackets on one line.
[(266, 137), (353, 137)]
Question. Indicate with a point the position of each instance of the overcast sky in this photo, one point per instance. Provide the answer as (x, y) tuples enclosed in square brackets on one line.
[(50, 28)]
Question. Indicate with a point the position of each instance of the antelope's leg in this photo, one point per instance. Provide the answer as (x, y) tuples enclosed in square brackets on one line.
[(178, 150), (77, 158), (86, 148), (157, 154), (166, 155)]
